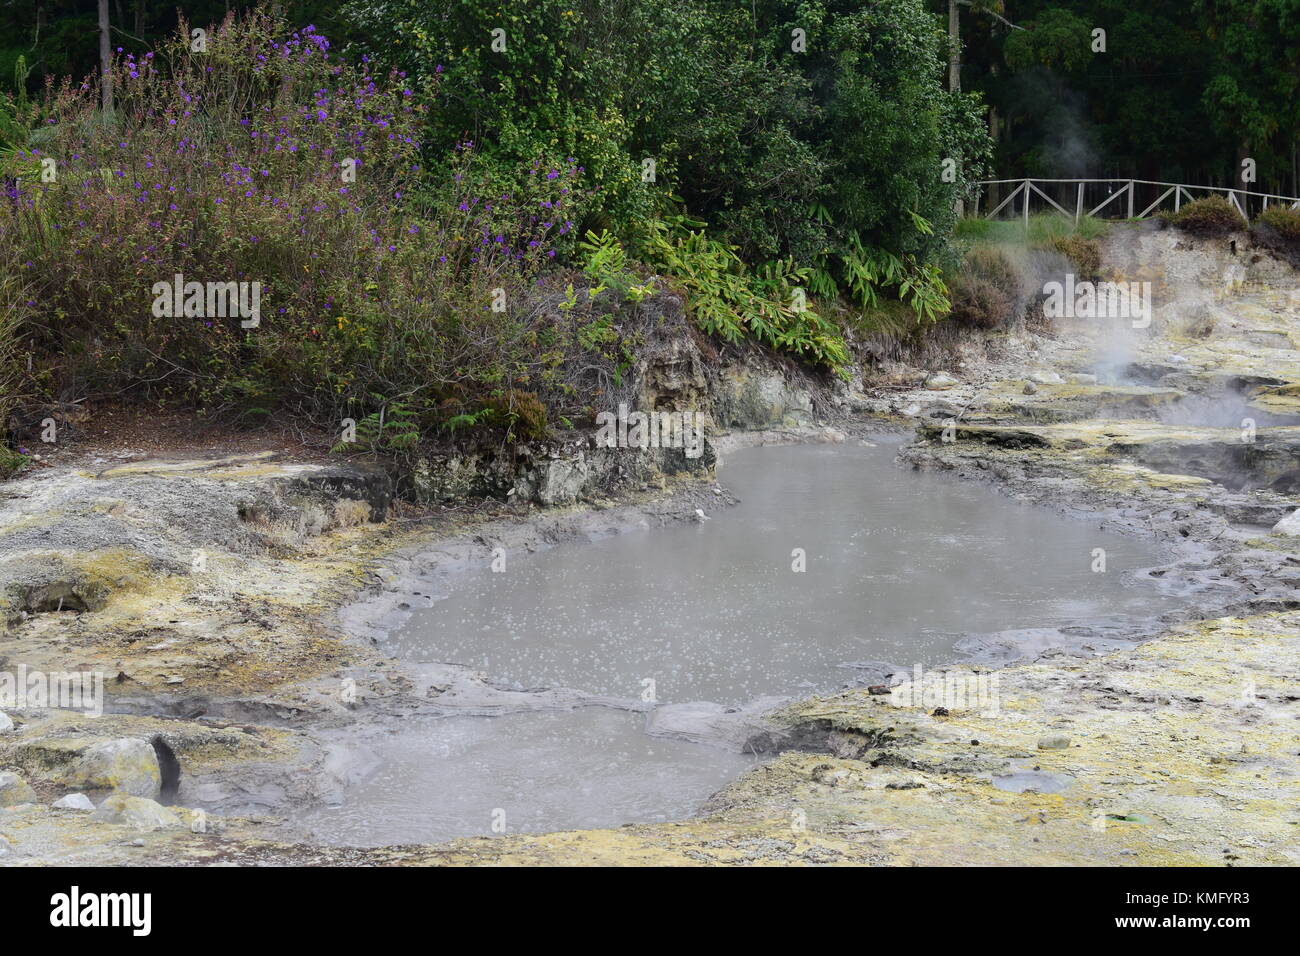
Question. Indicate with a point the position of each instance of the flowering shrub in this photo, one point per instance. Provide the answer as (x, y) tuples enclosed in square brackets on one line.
[(263, 159)]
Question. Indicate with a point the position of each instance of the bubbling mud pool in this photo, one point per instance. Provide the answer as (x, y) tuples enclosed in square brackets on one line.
[(900, 569)]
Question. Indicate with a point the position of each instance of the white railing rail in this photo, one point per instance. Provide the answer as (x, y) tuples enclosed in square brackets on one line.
[(1026, 189)]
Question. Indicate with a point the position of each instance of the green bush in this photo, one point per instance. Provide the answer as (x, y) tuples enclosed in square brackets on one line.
[(1085, 254), (1212, 216), (886, 325), (11, 462), (398, 307), (831, 157), (728, 300), (978, 303), (1282, 221), (408, 301), (986, 290)]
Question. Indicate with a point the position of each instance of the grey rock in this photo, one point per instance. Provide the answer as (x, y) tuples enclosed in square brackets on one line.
[(138, 813), (755, 399), (1289, 526), (1054, 742), (127, 765), (73, 801), (14, 790)]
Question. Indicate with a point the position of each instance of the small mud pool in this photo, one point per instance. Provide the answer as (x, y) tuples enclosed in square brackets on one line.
[(440, 778), (901, 568)]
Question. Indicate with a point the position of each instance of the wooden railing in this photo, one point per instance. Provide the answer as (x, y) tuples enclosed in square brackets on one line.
[(1027, 190)]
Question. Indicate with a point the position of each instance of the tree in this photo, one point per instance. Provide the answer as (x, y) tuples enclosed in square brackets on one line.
[(105, 58), (992, 8), (1253, 92)]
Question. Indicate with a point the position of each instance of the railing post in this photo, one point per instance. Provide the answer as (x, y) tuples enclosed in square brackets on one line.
[(1130, 199), (1025, 187), (1078, 206)]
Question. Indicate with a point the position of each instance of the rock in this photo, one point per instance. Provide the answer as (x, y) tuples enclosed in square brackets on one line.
[(6, 724), (911, 411), (832, 776), (1054, 742), (1045, 378), (1031, 389), (73, 801), (5, 846), (846, 745), (940, 380), (755, 399), (14, 790), (138, 813), (1081, 378), (1290, 525), (127, 765)]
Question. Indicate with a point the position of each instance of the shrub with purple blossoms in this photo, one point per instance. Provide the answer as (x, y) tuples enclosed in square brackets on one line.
[(233, 165)]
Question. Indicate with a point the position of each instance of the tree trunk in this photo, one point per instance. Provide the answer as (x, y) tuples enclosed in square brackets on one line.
[(954, 47), (995, 134), (105, 58)]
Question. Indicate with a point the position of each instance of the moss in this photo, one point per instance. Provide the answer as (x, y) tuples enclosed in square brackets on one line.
[(11, 462), (522, 413)]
